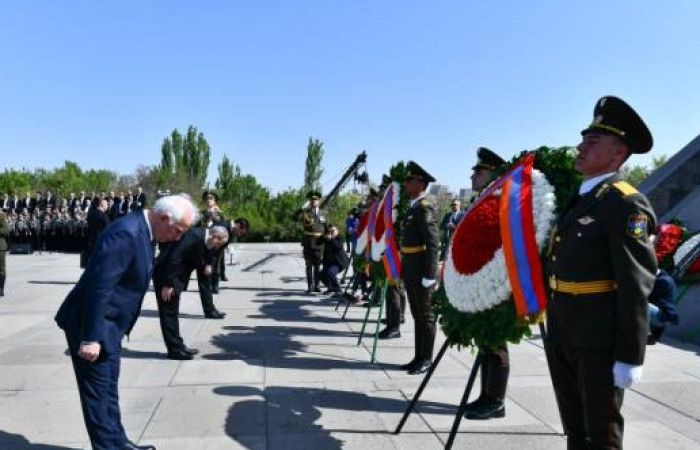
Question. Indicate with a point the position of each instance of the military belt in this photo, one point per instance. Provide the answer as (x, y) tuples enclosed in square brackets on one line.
[(414, 249), (313, 233), (581, 287)]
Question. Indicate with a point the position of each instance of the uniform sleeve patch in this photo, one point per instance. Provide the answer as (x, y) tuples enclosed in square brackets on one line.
[(637, 225)]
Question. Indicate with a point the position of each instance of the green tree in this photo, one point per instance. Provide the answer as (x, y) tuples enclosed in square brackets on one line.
[(634, 174), (189, 156), (314, 170)]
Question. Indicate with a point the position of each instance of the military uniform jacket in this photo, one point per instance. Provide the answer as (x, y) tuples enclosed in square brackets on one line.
[(4, 231), (604, 236), (314, 227), (419, 229)]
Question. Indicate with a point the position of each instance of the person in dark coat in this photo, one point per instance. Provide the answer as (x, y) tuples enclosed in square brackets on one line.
[(97, 221), (4, 236), (419, 253), (103, 307), (600, 266), (335, 260), (171, 274), (662, 309)]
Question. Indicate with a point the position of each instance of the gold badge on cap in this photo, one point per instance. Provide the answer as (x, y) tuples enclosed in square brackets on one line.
[(586, 220)]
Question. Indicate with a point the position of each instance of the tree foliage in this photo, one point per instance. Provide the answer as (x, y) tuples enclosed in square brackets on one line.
[(185, 158), (314, 170)]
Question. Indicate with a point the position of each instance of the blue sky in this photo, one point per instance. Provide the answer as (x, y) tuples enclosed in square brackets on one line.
[(102, 83)]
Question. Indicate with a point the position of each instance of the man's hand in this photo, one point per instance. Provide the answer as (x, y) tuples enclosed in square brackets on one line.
[(89, 351), (625, 375), (207, 270), (167, 293)]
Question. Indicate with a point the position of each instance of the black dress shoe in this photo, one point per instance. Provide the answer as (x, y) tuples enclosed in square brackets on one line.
[(420, 367), (489, 409), (215, 315), (192, 351), (180, 355), (388, 333), (410, 365), (317, 289), (384, 320), (215, 290), (131, 446), (223, 278), (476, 404)]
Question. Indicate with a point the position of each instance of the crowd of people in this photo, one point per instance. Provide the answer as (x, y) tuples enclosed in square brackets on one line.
[(44, 222)]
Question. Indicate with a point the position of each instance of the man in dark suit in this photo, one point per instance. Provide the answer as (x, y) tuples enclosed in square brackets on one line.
[(4, 236), (419, 254), (104, 306), (97, 221), (140, 198), (171, 274), (334, 259), (601, 267), (449, 224)]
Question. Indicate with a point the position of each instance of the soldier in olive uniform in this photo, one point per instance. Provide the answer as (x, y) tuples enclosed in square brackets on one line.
[(419, 253), (4, 235), (314, 223), (495, 369), (601, 267)]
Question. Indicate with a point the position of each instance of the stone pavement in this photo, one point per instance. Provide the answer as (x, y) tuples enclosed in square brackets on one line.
[(282, 371)]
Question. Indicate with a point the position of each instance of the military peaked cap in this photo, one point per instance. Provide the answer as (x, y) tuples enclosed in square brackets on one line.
[(416, 171), (486, 159), (314, 195), (612, 115)]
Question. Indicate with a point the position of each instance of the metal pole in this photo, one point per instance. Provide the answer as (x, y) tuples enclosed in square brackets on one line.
[(422, 386), (463, 403)]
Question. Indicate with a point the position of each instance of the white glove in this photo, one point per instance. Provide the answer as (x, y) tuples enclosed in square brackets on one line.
[(427, 282), (625, 375)]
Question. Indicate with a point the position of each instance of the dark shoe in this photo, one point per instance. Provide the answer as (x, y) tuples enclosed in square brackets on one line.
[(384, 321), (223, 278), (192, 351), (388, 333), (420, 367), (317, 289), (651, 340), (410, 365), (131, 446), (181, 355), (489, 409), (476, 404), (215, 290), (215, 315)]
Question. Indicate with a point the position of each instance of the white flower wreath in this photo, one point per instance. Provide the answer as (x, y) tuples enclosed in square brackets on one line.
[(490, 285)]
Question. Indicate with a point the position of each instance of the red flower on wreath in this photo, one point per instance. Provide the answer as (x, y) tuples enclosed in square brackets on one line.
[(477, 238), (667, 240)]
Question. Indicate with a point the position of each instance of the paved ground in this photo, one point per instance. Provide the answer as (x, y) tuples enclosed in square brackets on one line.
[(282, 371)]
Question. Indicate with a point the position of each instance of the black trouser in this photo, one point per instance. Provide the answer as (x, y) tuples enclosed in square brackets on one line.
[(589, 402), (395, 306), (205, 294), (169, 313), (495, 370), (419, 300)]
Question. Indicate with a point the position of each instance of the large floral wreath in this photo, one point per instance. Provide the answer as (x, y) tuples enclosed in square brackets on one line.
[(475, 301)]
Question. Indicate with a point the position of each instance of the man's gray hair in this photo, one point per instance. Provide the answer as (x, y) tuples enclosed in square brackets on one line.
[(176, 207), (219, 231)]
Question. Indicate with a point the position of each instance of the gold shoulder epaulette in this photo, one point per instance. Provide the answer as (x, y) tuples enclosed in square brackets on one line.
[(424, 201), (625, 188)]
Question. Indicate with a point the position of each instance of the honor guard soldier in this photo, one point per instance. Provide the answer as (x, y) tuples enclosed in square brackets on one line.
[(419, 254), (601, 267), (314, 224), (495, 369)]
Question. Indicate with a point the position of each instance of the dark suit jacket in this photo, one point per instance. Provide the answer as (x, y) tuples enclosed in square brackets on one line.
[(605, 236), (175, 265), (97, 221), (106, 302)]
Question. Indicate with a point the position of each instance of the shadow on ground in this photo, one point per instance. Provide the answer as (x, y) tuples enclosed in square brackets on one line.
[(297, 411), (11, 441)]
